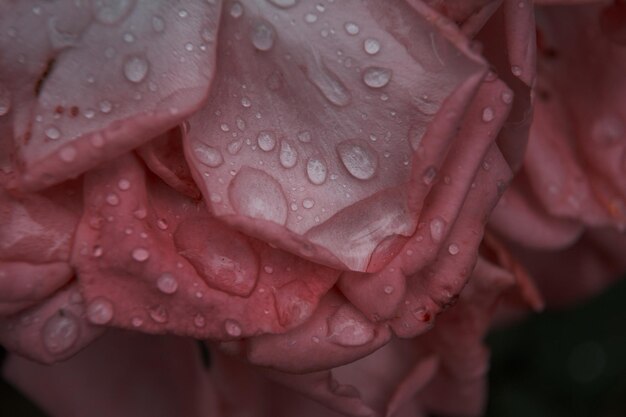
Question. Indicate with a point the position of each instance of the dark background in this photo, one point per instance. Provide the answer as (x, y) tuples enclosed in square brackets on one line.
[(570, 363)]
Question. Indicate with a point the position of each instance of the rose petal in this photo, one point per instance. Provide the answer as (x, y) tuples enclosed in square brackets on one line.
[(94, 82), (310, 148)]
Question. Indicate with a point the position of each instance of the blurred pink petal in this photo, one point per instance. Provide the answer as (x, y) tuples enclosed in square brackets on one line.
[(124, 375)]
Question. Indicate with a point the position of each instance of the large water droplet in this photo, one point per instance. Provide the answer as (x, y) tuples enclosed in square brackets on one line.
[(437, 226), (167, 283), (110, 12), (266, 141), (263, 35), (488, 114), (140, 254), (377, 77), (208, 155), (255, 194), (288, 155), (329, 85), (371, 46), (223, 258), (100, 311), (351, 28), (359, 158), (136, 68), (60, 332), (316, 170), (232, 328), (283, 4), (349, 328), (52, 133)]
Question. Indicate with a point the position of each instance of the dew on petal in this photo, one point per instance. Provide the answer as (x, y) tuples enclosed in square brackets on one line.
[(263, 35), (359, 158), (377, 77), (256, 194), (136, 68), (316, 170), (167, 283), (208, 155), (60, 332), (100, 311)]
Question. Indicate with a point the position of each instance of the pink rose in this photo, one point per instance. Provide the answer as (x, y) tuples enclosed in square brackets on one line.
[(304, 186)]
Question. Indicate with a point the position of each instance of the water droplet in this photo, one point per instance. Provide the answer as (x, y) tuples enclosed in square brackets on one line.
[(136, 69), (167, 283), (5, 101), (105, 106), (158, 314), (110, 12), (268, 269), (283, 4), (162, 224), (234, 147), (245, 102), (377, 77), (100, 311), (507, 97), (388, 289), (232, 328), (266, 141), (136, 321), (453, 249), (488, 114), (140, 213), (437, 226), (359, 158), (351, 28), (516, 70), (183, 13), (308, 203), (208, 155), (371, 46), (52, 133), (140, 254), (263, 35), (112, 199), (288, 155), (304, 136), (97, 250), (316, 170), (236, 10), (349, 328), (329, 85), (68, 153), (158, 24), (429, 175), (123, 184), (310, 18), (256, 194), (199, 320), (60, 332)]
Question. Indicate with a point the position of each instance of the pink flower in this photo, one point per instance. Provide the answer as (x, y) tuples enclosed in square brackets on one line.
[(304, 186)]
